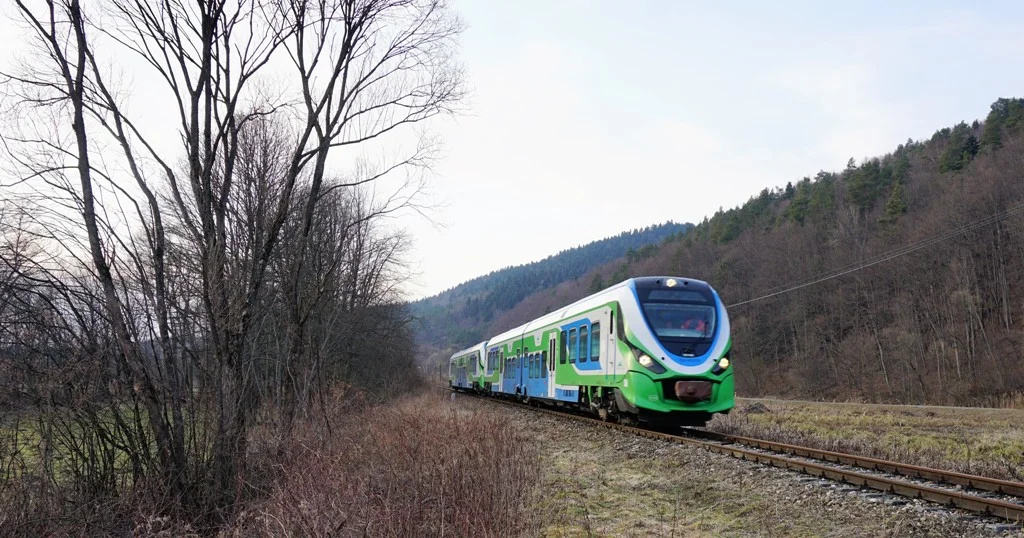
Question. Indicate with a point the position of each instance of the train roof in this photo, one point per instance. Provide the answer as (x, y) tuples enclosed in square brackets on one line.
[(608, 294), (475, 347)]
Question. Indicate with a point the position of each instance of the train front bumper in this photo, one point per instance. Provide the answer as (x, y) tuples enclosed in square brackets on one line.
[(665, 393)]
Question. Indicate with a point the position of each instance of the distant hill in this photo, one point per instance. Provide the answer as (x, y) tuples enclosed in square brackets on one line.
[(461, 316), (899, 278)]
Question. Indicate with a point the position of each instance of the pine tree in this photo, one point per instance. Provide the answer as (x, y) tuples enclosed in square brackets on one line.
[(895, 207)]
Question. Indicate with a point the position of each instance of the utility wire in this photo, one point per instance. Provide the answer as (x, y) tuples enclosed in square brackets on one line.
[(886, 256)]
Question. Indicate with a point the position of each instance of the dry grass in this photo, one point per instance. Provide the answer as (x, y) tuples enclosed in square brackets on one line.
[(603, 483), (420, 466), (981, 441), (423, 467)]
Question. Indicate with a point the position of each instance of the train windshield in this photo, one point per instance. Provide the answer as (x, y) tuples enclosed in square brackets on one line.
[(680, 314)]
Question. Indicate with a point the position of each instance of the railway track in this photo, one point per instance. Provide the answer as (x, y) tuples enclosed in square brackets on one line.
[(997, 498)]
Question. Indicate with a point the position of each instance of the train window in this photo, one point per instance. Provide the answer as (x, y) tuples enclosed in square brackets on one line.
[(544, 364), (530, 360), (584, 344), (595, 342), (679, 295), (573, 348), (611, 326), (551, 352), (536, 366), (561, 355)]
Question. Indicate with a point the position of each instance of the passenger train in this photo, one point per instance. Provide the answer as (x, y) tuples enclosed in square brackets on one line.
[(651, 350)]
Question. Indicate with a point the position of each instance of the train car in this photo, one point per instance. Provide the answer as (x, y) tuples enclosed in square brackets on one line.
[(465, 368), (653, 350)]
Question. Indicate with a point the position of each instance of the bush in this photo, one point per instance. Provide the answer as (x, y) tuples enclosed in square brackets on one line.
[(422, 467)]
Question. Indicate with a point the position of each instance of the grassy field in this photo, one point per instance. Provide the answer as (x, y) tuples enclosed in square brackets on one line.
[(598, 482), (419, 466), (981, 441)]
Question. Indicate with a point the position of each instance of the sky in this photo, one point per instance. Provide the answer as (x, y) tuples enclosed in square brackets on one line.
[(587, 118)]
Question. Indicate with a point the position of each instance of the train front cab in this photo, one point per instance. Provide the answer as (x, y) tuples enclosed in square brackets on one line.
[(678, 349)]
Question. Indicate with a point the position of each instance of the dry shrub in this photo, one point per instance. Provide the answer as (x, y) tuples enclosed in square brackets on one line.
[(32, 507), (420, 467)]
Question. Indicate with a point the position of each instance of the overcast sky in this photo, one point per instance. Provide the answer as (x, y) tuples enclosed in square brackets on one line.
[(589, 118)]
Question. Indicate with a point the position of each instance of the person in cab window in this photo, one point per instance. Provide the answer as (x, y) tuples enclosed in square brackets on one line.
[(694, 323)]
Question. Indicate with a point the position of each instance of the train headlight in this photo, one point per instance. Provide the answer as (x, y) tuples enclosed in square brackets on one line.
[(723, 365), (650, 364)]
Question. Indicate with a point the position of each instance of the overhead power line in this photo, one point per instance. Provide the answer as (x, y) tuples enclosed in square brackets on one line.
[(886, 256)]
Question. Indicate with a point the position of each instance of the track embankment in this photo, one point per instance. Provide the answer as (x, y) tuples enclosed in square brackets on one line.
[(628, 481)]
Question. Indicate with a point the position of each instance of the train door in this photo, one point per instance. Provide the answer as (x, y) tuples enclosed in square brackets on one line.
[(503, 371), (552, 359), (612, 355), (520, 370)]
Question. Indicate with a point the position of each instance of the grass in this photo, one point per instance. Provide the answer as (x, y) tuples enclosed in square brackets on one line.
[(599, 483), (419, 466), (988, 442), (423, 467), (61, 441)]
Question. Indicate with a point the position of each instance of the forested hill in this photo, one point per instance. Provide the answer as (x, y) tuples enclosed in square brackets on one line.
[(461, 316), (899, 278)]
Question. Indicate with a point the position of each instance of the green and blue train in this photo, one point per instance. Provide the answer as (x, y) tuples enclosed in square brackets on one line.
[(652, 350)]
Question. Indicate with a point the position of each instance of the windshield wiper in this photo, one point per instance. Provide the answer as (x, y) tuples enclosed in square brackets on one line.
[(688, 350)]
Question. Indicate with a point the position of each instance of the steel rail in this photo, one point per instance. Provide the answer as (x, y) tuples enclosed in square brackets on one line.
[(995, 485), (999, 508)]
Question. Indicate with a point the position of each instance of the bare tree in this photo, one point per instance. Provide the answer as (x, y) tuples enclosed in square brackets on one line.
[(192, 277)]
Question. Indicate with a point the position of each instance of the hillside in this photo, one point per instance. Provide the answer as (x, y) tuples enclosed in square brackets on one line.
[(920, 257), (463, 315)]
